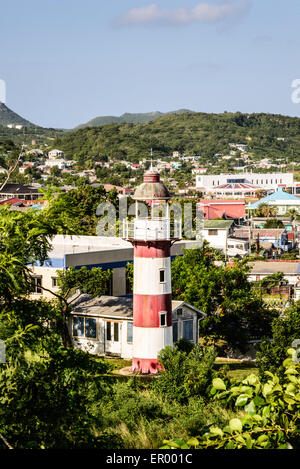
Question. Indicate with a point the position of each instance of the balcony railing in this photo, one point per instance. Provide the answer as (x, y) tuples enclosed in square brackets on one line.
[(151, 229)]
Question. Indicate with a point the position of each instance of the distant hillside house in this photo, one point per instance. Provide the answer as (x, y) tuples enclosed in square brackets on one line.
[(20, 191), (15, 126), (55, 154), (104, 325), (51, 163)]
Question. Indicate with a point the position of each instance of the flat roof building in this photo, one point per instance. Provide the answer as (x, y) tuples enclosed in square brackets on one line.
[(242, 184), (91, 251)]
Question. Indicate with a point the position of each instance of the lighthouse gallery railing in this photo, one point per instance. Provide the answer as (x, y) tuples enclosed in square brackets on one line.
[(152, 229)]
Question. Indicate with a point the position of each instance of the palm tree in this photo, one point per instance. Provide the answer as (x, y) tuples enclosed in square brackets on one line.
[(259, 193), (292, 213), (265, 210)]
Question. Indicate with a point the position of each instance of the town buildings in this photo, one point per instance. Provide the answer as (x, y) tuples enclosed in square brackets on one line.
[(220, 235)]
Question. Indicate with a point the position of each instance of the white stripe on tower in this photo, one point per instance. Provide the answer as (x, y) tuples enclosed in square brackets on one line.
[(152, 276)]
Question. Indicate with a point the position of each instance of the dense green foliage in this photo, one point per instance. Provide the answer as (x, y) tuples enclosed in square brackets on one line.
[(75, 212), (186, 374), (25, 239), (267, 413), (285, 329), (192, 133)]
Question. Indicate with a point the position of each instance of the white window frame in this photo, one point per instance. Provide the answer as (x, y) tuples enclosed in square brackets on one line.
[(54, 282), (163, 313), (164, 271), (36, 287), (84, 336)]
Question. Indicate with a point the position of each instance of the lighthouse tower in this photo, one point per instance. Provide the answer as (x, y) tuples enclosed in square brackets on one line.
[(151, 238)]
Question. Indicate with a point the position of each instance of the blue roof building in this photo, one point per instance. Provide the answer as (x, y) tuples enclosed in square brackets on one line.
[(280, 199)]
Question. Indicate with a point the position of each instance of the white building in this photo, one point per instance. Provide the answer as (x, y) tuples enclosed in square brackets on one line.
[(239, 146), (15, 126), (104, 325), (219, 235), (55, 154), (61, 164), (211, 183), (290, 270)]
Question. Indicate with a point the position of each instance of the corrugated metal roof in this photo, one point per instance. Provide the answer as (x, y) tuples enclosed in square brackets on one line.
[(112, 306), (217, 224), (262, 267), (279, 195)]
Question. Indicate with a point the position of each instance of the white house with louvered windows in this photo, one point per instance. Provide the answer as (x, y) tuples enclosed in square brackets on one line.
[(104, 325)]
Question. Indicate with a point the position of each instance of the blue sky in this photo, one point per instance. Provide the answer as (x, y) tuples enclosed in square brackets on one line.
[(67, 61)]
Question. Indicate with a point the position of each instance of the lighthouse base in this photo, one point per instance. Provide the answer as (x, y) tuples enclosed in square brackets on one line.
[(146, 365)]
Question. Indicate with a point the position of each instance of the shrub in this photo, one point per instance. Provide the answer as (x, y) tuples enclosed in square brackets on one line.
[(271, 355), (185, 374)]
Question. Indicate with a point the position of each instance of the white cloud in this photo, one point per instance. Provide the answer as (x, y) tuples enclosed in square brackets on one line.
[(203, 12)]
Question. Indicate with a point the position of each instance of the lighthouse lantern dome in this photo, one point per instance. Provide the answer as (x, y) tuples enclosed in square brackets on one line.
[(152, 188)]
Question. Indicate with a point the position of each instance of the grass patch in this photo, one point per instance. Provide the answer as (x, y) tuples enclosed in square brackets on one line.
[(234, 369)]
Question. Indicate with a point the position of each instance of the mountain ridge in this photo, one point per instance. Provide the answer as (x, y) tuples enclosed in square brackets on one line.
[(129, 118)]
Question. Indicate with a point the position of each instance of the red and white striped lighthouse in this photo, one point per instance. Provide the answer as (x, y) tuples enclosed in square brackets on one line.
[(152, 238)]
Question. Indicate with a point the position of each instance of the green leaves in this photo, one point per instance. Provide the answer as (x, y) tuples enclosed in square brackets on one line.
[(242, 400), (235, 425), (219, 384), (267, 414)]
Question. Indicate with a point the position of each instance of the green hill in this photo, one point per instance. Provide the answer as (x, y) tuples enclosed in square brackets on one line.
[(7, 116), (268, 135), (128, 118)]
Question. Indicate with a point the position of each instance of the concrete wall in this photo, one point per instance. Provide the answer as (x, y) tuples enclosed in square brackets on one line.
[(217, 241), (46, 274)]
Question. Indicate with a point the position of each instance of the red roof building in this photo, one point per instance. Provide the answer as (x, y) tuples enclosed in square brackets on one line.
[(219, 208)]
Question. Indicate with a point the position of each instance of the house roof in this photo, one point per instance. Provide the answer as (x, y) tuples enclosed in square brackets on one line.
[(18, 189), (279, 195), (217, 224), (261, 232), (271, 267), (114, 306)]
